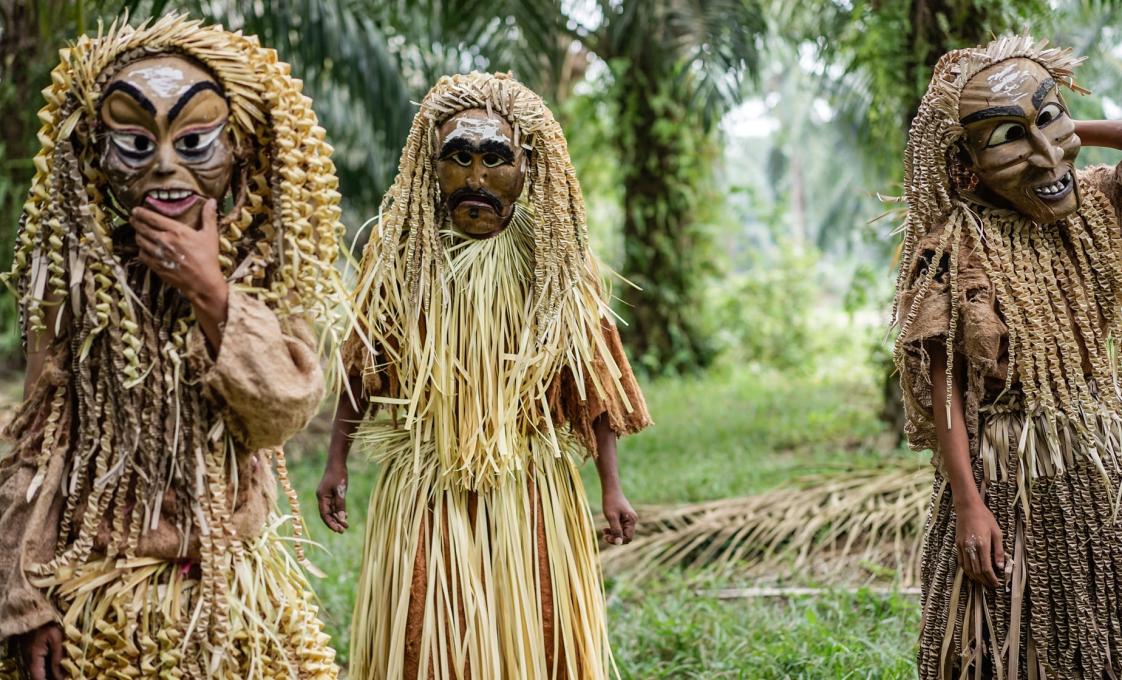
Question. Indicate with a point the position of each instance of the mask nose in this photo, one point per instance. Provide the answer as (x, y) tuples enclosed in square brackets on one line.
[(1045, 153), (165, 160), (476, 176)]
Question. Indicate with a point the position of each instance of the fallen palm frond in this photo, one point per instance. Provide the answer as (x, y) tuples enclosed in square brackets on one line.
[(786, 592), (824, 526)]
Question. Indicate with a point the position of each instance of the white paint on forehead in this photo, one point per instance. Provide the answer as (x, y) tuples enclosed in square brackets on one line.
[(481, 129), (165, 81), (1007, 80)]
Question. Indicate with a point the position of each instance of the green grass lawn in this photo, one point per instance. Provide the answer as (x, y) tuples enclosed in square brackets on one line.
[(729, 433)]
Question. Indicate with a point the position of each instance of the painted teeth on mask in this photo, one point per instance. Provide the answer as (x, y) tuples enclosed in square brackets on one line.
[(169, 194), (1055, 187)]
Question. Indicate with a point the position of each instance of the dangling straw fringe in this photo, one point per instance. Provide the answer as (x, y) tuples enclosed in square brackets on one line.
[(142, 614), (474, 376), (1056, 426), (507, 582)]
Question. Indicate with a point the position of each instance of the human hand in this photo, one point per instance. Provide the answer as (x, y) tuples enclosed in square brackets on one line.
[(621, 518), (978, 542), (181, 255), (332, 497), (41, 652)]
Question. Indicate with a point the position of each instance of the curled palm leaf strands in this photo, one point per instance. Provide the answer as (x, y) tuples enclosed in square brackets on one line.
[(1044, 447), (142, 423)]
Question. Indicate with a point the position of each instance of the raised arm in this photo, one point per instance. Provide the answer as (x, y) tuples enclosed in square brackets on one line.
[(977, 536), (1106, 133)]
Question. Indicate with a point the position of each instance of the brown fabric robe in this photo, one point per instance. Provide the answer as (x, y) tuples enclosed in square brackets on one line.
[(267, 382)]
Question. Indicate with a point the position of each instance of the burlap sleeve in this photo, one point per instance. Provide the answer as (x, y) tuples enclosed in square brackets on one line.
[(609, 388), (980, 343), (266, 377), (1108, 180), (29, 528)]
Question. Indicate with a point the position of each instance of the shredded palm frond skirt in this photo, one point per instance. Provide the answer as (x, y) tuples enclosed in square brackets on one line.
[(130, 618), (1059, 613), (499, 584)]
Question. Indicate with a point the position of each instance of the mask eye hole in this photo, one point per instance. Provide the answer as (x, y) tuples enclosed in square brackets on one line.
[(1048, 113), (493, 160), (461, 158), (197, 143), (1005, 133), (132, 144)]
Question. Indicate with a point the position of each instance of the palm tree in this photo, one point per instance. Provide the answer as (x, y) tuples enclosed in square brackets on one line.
[(677, 66), (365, 62)]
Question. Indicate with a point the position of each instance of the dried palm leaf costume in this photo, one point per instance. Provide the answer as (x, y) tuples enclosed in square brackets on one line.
[(496, 356), (1028, 313), (138, 506)]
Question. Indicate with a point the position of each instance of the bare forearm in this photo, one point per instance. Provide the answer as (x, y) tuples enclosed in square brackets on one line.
[(1107, 133), (954, 445), (211, 304), (607, 464), (39, 344), (621, 517), (348, 415)]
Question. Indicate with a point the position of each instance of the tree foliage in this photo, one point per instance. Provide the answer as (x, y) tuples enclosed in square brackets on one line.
[(668, 72), (676, 68)]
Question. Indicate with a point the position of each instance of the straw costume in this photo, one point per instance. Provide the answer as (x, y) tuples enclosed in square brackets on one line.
[(138, 507), (1027, 312), (495, 356)]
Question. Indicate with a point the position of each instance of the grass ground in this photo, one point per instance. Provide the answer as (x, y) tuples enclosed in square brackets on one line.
[(729, 433)]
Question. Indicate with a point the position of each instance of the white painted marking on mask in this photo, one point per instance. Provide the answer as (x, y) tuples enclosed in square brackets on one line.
[(1007, 80), (165, 81), (483, 130)]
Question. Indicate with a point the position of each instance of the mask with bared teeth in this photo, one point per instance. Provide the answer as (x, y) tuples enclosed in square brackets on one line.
[(1020, 140), (165, 144)]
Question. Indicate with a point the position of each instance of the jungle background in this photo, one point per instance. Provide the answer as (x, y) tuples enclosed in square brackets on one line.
[(738, 158)]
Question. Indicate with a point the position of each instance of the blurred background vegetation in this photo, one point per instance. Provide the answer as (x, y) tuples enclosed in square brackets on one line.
[(735, 156), (727, 147)]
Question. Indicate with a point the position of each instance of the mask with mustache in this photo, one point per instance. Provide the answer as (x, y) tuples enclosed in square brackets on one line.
[(481, 170)]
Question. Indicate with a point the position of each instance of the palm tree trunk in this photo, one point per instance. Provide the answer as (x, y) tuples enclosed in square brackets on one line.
[(662, 152), (929, 41)]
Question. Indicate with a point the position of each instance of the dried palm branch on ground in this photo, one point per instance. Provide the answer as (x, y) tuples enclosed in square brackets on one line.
[(827, 527)]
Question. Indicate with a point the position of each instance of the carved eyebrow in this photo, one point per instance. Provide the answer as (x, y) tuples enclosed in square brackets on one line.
[(456, 144), (130, 90), (1042, 92), (993, 112), (499, 148), (488, 146), (191, 92)]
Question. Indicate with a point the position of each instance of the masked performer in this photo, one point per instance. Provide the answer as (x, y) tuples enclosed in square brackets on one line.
[(1008, 306), (178, 241), (490, 339)]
